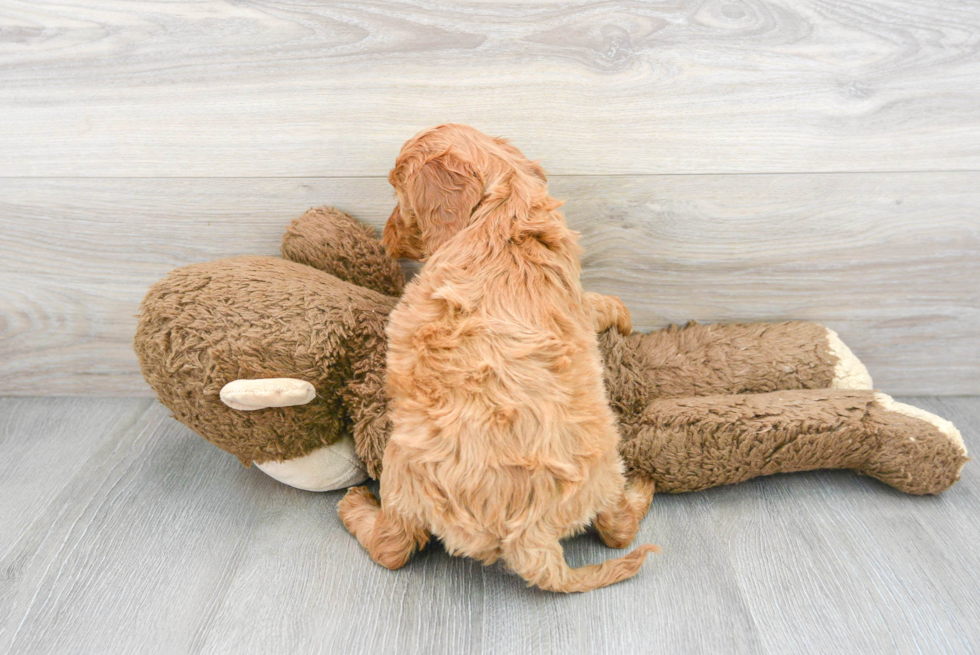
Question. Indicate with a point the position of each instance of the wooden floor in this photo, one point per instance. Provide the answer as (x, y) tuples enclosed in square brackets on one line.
[(123, 532)]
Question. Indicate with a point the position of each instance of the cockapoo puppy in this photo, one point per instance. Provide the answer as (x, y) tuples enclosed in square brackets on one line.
[(503, 441)]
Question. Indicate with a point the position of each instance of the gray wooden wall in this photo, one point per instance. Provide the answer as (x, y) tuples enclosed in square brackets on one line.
[(744, 160)]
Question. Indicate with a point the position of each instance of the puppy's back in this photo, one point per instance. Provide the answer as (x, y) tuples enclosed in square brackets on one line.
[(503, 380)]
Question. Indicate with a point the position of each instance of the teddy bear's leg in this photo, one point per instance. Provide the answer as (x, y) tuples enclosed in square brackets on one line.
[(617, 525), (687, 444), (704, 360), (388, 537), (333, 242)]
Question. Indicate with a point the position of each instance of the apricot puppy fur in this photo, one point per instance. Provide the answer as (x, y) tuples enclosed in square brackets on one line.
[(503, 441)]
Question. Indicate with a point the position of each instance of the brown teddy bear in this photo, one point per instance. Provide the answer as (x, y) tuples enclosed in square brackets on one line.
[(280, 362)]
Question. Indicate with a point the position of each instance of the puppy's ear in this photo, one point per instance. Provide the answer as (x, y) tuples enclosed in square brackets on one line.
[(443, 193), (533, 167), (400, 238)]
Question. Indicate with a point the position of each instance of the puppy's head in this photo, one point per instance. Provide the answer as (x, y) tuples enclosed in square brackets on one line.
[(442, 175)]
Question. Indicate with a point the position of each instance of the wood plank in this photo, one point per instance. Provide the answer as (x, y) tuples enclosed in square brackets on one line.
[(890, 261), (116, 88), (441, 604), (837, 563), (46, 446)]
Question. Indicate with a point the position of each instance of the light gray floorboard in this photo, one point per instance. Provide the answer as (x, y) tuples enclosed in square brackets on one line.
[(124, 532), (890, 261), (862, 566), (46, 446)]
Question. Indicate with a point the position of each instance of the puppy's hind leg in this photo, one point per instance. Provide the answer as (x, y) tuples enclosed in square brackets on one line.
[(618, 523), (389, 538)]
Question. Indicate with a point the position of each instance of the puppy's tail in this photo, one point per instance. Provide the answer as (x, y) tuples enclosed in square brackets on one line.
[(546, 568)]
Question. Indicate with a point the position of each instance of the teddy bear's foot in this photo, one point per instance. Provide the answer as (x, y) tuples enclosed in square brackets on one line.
[(331, 467), (250, 395), (919, 452), (849, 372)]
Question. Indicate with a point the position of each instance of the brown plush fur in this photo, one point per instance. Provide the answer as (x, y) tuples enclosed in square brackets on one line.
[(186, 362), (503, 440), (680, 442), (258, 317), (335, 243), (702, 360)]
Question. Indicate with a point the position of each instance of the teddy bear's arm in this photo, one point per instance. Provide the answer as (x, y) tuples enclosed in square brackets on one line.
[(366, 400), (333, 242), (702, 360), (688, 444)]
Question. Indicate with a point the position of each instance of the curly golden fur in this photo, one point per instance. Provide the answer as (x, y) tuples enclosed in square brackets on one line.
[(503, 439)]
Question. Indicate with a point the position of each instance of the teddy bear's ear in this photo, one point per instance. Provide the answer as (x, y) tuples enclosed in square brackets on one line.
[(443, 194)]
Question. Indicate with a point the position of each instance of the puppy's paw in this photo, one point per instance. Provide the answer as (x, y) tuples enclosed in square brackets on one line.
[(357, 505), (639, 494), (623, 319), (609, 311)]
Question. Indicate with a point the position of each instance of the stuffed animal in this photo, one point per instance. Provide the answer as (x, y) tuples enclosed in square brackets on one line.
[(280, 362)]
